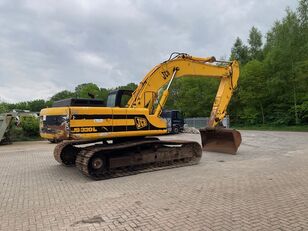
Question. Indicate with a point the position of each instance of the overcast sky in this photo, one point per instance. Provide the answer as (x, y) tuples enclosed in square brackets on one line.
[(47, 46)]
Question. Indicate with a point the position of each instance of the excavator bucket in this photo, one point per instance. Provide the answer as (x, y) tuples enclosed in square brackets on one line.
[(220, 140)]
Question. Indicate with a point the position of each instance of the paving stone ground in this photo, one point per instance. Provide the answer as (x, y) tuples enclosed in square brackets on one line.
[(264, 187)]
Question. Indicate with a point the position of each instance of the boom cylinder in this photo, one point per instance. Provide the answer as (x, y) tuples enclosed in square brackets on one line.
[(165, 95)]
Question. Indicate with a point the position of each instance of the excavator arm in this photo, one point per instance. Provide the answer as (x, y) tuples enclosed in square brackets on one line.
[(213, 138), (224, 94), (183, 65)]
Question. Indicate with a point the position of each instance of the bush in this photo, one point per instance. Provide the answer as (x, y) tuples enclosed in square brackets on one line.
[(16, 134), (30, 126)]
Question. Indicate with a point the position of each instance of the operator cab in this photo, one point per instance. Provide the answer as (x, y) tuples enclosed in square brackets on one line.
[(118, 98)]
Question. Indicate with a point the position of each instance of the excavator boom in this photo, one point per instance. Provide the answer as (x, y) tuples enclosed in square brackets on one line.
[(183, 65)]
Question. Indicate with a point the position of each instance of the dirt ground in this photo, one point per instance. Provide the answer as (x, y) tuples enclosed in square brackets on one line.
[(263, 187)]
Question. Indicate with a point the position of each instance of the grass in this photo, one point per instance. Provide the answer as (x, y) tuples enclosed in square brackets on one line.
[(298, 128)]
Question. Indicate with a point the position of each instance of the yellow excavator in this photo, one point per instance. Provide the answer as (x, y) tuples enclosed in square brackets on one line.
[(119, 139)]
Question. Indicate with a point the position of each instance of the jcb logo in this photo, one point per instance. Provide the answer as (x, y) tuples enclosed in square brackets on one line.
[(86, 129), (165, 74), (140, 122)]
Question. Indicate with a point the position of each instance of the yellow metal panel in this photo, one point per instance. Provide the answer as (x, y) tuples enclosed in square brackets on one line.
[(119, 111), (55, 111), (119, 134), (136, 111), (123, 122), (93, 122), (91, 110), (104, 122), (157, 121)]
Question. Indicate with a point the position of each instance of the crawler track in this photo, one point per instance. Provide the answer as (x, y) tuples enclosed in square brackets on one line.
[(66, 151), (102, 161)]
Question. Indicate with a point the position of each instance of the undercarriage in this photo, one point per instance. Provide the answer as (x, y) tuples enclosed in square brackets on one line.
[(104, 159)]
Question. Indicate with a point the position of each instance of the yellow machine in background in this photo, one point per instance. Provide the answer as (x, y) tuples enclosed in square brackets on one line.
[(123, 131)]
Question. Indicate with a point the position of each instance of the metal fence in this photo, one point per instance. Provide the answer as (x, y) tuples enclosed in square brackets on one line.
[(201, 122)]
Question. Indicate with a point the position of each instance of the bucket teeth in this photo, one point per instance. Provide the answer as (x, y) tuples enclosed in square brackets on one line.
[(223, 140)]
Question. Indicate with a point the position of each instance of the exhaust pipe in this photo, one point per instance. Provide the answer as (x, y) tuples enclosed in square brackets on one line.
[(223, 140)]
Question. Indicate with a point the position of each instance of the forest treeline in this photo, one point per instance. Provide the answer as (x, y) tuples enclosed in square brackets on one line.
[(273, 83)]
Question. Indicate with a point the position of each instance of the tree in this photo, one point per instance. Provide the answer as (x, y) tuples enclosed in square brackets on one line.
[(193, 96), (19, 105), (62, 95), (302, 11), (104, 94), (301, 72), (273, 84), (253, 92), (129, 86), (3, 107), (255, 44), (239, 51), (83, 90), (281, 58), (36, 105)]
